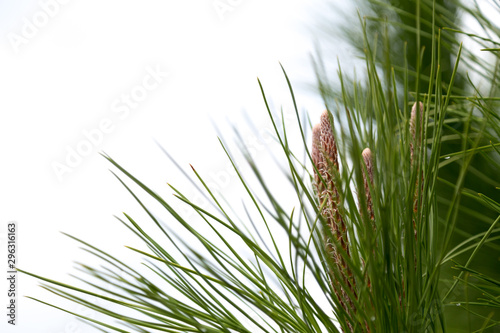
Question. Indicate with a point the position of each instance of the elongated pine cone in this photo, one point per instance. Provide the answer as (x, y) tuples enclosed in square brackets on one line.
[(324, 156), (367, 180), (414, 131)]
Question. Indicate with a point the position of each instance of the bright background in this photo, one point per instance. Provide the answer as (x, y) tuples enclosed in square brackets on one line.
[(63, 74)]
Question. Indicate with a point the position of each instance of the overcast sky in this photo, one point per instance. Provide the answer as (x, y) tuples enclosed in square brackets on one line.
[(80, 77)]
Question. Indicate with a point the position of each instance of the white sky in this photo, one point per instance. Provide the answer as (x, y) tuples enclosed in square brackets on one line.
[(70, 75)]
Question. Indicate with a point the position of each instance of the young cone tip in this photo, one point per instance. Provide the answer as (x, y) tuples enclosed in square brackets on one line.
[(413, 118), (415, 137), (327, 139), (368, 179), (367, 158)]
